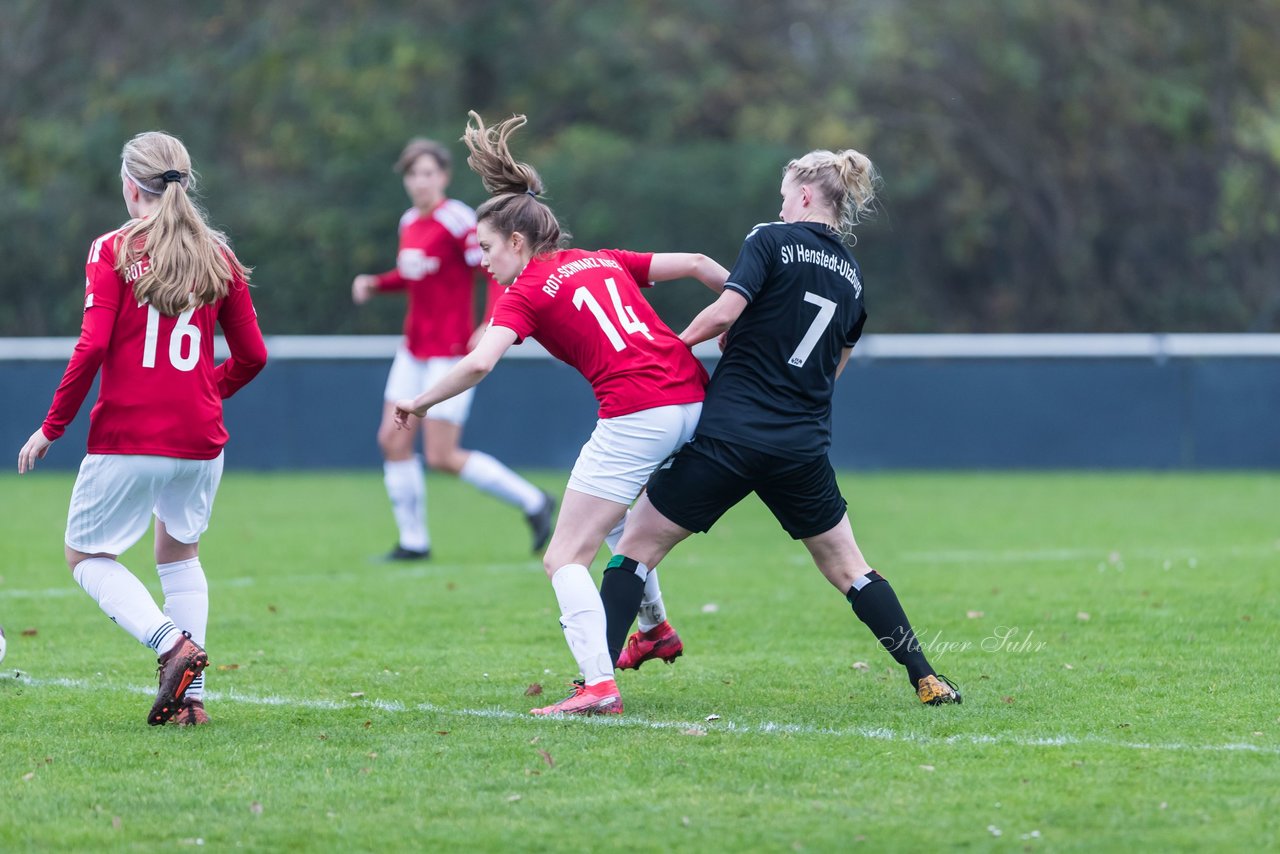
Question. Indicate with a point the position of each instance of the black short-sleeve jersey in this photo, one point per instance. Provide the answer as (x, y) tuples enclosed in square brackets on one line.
[(772, 388)]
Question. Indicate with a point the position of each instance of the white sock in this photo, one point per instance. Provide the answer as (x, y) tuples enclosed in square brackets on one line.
[(124, 599), (652, 611), (582, 617), (613, 537), (407, 489), (186, 602), (484, 472)]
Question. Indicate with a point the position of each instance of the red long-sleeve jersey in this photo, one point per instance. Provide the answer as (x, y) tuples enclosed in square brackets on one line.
[(161, 392)]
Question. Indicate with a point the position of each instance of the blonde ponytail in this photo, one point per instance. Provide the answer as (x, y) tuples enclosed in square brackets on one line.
[(847, 179), (189, 263)]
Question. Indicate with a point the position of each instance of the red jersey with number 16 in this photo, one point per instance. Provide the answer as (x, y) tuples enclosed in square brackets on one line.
[(587, 310), (161, 393)]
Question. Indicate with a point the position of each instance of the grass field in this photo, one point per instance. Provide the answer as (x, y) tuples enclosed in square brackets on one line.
[(1115, 637)]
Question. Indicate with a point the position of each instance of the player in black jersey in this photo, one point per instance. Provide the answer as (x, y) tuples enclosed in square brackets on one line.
[(790, 314)]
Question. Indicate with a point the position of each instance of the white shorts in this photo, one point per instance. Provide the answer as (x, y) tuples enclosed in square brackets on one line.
[(622, 452), (116, 495), (410, 377)]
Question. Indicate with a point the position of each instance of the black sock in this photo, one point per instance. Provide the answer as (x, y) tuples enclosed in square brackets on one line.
[(876, 604), (621, 589)]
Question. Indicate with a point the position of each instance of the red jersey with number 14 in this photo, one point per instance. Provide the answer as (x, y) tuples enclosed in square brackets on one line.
[(587, 310), (161, 393)]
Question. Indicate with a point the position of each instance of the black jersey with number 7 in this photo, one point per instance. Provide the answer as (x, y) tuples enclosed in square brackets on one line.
[(772, 388)]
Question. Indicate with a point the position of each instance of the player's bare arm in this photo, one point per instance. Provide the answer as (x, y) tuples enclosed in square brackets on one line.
[(679, 265), (363, 287), (35, 449), (469, 371), (844, 360), (715, 318)]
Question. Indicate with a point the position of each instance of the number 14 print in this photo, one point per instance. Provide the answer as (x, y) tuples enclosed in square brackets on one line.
[(626, 314)]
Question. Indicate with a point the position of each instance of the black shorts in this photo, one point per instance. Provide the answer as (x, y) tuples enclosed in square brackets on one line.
[(708, 476)]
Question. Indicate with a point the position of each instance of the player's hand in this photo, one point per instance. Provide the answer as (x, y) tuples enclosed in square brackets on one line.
[(35, 449), (405, 410), (362, 287), (723, 340)]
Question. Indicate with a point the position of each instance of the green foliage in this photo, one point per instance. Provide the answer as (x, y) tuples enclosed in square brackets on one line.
[(364, 707), (1047, 167)]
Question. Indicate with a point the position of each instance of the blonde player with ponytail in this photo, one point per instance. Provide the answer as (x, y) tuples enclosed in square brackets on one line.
[(155, 290), (791, 312)]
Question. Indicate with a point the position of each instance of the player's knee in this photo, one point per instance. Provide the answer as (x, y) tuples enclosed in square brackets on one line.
[(447, 462)]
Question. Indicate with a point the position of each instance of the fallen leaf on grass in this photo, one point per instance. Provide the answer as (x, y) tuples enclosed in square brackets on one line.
[(1082, 616), (228, 667), (975, 615), (511, 799), (30, 633), (1068, 667), (546, 757), (29, 776), (861, 665), (357, 694), (533, 690), (115, 822), (368, 724), (694, 730), (272, 608), (255, 808), (710, 608), (927, 768), (1007, 699), (442, 732)]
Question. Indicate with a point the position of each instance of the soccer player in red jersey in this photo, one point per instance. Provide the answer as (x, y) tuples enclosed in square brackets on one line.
[(154, 290), (790, 313), (586, 309), (437, 266)]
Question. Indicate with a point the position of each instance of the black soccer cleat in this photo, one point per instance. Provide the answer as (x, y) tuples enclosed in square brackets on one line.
[(400, 553), (540, 522)]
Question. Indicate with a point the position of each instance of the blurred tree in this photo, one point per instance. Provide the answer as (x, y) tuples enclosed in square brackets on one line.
[(1072, 166)]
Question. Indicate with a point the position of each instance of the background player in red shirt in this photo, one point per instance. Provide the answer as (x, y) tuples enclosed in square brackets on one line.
[(437, 265), (587, 310), (154, 290), (793, 309)]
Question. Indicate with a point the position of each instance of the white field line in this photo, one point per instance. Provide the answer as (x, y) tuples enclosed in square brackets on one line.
[(374, 574), (1112, 554), (1174, 554), (634, 722)]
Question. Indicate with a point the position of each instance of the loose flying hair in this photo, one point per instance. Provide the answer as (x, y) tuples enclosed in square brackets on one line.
[(513, 186), (845, 178), (419, 146), (190, 263)]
